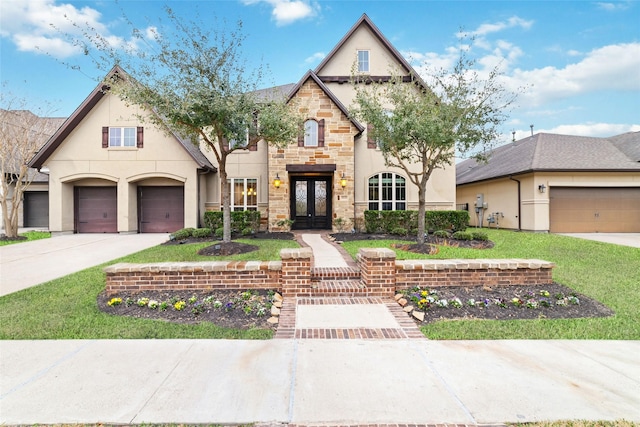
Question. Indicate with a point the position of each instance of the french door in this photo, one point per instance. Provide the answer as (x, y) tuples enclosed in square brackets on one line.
[(311, 202)]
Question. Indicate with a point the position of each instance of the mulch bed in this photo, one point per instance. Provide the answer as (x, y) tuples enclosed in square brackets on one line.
[(237, 317), (428, 248), (231, 315), (230, 248), (489, 298)]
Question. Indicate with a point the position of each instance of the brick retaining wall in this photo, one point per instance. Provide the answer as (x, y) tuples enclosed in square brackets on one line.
[(380, 272)]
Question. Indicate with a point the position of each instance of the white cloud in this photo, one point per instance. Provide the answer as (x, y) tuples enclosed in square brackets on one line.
[(612, 7), (285, 12), (612, 67), (316, 57), (48, 27), (486, 29)]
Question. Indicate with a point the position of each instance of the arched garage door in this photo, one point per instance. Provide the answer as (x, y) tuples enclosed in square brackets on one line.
[(96, 209), (594, 210), (160, 209)]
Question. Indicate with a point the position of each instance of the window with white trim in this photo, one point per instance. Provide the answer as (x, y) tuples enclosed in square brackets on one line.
[(363, 61), (122, 137), (387, 192), (244, 194)]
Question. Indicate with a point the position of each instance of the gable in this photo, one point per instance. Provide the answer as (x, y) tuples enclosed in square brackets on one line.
[(364, 35), (117, 114)]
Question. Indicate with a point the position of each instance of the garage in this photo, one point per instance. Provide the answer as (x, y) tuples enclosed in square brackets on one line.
[(594, 210), (96, 209), (36, 209), (160, 209)]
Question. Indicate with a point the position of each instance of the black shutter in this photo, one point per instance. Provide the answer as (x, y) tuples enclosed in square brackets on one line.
[(140, 141), (105, 137), (321, 133)]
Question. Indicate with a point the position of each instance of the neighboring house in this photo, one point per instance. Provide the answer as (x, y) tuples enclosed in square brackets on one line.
[(110, 173), (557, 183), (34, 209)]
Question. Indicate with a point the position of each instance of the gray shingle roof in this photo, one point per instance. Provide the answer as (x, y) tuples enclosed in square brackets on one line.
[(552, 152)]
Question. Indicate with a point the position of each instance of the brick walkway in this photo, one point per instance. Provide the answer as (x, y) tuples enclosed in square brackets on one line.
[(287, 327)]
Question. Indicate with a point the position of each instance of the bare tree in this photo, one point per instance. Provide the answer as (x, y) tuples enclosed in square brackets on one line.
[(22, 133)]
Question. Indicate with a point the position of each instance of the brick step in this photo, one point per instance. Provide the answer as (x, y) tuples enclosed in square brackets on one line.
[(343, 288), (334, 273)]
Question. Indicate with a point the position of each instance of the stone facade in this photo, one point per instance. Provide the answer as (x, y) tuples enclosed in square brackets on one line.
[(312, 102)]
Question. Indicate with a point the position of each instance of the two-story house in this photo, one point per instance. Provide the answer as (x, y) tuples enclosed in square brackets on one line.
[(110, 173)]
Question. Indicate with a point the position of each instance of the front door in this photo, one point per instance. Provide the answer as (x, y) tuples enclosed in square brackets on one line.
[(311, 202)]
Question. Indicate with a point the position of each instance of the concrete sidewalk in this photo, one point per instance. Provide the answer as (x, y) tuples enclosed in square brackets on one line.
[(317, 381), (27, 264)]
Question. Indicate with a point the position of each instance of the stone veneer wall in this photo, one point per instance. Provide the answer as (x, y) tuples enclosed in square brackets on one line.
[(292, 275), (313, 103)]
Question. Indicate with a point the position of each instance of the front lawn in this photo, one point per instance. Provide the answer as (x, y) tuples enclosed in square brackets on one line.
[(28, 236), (66, 308), (605, 272)]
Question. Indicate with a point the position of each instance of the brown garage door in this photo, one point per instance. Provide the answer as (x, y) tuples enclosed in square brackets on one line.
[(594, 210), (96, 209), (36, 209), (161, 209)]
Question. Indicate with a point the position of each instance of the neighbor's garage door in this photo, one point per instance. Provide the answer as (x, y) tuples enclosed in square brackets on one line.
[(36, 209), (96, 209), (161, 209), (594, 210)]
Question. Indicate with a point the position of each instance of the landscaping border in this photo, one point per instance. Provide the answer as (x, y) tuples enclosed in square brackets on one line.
[(291, 276)]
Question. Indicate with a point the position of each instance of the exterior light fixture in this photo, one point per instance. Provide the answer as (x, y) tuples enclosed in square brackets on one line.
[(276, 182), (541, 188), (343, 181)]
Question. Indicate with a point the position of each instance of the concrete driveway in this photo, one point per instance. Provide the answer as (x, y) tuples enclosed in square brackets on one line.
[(27, 264), (624, 239)]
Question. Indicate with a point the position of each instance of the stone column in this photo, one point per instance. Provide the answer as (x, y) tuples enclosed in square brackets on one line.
[(378, 267), (296, 271)]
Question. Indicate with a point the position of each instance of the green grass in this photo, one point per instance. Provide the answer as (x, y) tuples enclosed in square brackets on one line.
[(30, 235), (605, 272), (66, 308)]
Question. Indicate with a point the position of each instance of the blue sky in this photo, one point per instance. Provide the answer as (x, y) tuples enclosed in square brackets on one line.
[(579, 59)]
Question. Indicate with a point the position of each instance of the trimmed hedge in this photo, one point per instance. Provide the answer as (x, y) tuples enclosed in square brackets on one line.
[(394, 221), (245, 222)]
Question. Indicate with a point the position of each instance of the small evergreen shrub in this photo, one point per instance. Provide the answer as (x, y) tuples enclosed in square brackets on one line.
[(219, 232), (480, 235), (182, 234), (462, 235), (443, 234), (240, 220), (400, 231), (247, 231), (201, 232)]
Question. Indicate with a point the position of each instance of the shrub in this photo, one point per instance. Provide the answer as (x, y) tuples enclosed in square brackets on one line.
[(182, 234), (480, 235), (201, 232), (400, 231), (387, 221), (219, 232), (447, 220), (462, 235), (444, 234), (246, 231), (240, 220)]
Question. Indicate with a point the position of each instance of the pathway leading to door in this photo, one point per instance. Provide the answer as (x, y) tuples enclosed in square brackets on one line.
[(347, 315)]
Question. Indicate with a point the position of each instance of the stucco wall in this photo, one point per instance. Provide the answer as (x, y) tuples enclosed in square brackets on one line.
[(502, 196), (81, 160)]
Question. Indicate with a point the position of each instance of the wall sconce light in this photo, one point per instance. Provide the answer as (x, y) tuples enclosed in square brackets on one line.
[(343, 181), (541, 188), (276, 182)]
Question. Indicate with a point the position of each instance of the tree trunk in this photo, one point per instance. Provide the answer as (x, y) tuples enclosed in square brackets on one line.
[(226, 201), (422, 191)]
